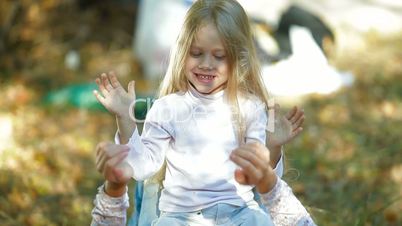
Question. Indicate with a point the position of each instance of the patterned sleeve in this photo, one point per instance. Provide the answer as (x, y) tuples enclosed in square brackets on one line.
[(284, 207), (109, 211)]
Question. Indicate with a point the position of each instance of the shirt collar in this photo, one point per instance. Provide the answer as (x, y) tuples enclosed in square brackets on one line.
[(205, 98)]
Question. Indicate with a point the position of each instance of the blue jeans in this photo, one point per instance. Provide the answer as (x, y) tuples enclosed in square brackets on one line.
[(146, 205), (220, 214)]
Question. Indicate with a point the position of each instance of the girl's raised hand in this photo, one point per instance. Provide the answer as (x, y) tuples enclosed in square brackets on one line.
[(286, 127), (113, 96)]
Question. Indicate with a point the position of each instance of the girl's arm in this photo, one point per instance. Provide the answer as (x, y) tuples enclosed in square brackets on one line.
[(286, 128), (146, 153), (119, 102)]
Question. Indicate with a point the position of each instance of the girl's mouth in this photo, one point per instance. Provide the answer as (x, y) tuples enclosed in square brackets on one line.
[(205, 78)]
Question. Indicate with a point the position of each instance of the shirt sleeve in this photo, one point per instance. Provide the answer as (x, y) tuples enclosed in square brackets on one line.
[(147, 152), (256, 121), (117, 138), (284, 207), (109, 211), (279, 168)]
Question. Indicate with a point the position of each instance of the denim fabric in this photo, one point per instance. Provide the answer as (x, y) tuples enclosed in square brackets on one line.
[(219, 214), (146, 205)]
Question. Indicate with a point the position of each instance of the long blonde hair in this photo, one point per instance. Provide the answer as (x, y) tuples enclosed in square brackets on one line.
[(234, 29)]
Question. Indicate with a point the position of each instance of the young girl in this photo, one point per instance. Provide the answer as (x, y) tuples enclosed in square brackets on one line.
[(211, 101)]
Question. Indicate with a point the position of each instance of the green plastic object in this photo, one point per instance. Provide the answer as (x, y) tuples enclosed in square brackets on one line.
[(81, 96)]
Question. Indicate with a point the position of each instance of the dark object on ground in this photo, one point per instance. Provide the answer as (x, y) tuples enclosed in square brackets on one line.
[(298, 16)]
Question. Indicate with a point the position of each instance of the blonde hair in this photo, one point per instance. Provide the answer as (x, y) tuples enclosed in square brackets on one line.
[(234, 29)]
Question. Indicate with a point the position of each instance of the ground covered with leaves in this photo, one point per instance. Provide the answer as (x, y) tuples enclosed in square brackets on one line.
[(346, 167)]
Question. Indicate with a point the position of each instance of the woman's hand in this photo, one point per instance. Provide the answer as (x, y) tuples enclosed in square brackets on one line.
[(253, 160), (110, 162), (286, 128), (114, 97)]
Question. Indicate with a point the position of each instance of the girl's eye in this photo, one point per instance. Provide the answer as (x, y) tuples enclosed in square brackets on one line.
[(195, 54), (220, 57)]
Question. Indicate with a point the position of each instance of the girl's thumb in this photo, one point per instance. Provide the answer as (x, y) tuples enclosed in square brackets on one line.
[(131, 87)]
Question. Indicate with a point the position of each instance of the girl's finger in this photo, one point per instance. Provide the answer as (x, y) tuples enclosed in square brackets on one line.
[(291, 113), (99, 97), (298, 123), (296, 132), (131, 87), (298, 115), (113, 80), (106, 82), (101, 86)]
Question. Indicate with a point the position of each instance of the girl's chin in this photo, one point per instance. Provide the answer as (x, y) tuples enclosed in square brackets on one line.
[(203, 90), (208, 90)]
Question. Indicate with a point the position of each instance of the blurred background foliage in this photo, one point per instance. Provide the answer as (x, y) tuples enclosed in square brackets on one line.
[(346, 167)]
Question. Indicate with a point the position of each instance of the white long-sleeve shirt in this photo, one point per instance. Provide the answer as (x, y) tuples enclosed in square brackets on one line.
[(195, 133)]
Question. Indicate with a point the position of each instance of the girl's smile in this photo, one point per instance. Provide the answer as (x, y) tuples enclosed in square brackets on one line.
[(205, 78), (206, 66)]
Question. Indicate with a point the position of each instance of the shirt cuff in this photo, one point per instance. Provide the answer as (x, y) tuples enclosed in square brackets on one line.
[(117, 138), (273, 195), (109, 207), (134, 141), (279, 166)]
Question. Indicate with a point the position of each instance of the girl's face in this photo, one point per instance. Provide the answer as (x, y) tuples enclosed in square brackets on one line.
[(206, 65)]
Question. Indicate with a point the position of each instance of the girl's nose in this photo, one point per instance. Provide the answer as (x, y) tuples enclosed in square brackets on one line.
[(206, 63)]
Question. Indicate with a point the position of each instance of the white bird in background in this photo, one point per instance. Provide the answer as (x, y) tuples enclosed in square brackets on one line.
[(305, 71)]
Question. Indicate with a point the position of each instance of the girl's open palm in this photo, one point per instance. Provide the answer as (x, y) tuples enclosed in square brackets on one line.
[(113, 96), (286, 127)]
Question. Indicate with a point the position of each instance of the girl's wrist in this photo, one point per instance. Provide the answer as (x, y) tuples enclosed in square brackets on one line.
[(275, 155), (275, 147), (115, 189), (124, 116)]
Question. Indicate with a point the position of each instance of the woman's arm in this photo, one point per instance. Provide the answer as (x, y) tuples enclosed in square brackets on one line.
[(110, 210), (111, 202), (281, 203), (284, 207)]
